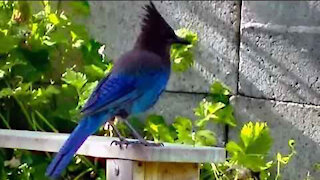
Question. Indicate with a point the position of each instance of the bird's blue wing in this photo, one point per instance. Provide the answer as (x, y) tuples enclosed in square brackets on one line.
[(109, 92)]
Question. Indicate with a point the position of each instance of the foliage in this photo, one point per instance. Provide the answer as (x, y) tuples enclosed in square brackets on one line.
[(248, 157), (40, 85), (255, 143), (216, 107), (182, 56)]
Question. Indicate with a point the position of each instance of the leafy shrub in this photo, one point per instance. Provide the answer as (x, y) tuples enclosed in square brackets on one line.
[(48, 67)]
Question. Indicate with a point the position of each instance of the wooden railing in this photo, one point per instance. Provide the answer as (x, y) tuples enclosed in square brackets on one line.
[(136, 162)]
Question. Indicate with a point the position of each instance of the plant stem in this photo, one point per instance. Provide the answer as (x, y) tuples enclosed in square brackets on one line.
[(22, 108), (25, 112), (35, 122), (5, 122), (86, 161), (278, 171), (83, 173), (46, 121)]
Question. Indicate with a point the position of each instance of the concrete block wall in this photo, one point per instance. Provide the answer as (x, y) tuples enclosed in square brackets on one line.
[(266, 52)]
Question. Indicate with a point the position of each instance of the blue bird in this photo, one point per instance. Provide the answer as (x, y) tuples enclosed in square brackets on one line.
[(134, 85)]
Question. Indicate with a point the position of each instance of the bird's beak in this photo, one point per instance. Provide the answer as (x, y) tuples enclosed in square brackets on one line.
[(179, 40)]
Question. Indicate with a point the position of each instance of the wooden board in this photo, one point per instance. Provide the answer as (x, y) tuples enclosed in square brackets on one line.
[(99, 146)]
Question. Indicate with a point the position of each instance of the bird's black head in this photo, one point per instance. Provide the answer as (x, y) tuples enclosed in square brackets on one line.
[(156, 32)]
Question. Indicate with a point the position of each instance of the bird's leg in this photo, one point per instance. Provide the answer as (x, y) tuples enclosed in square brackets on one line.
[(141, 140), (122, 140)]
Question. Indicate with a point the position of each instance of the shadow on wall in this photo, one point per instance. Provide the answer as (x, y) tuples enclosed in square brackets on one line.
[(283, 75), (288, 62)]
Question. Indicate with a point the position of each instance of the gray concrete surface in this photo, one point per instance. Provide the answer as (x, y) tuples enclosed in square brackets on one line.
[(276, 48), (277, 64)]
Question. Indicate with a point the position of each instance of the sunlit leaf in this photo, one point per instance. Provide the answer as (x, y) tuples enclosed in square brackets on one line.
[(75, 79), (156, 126), (251, 151), (183, 127), (256, 138), (183, 55), (206, 111), (53, 18), (205, 138)]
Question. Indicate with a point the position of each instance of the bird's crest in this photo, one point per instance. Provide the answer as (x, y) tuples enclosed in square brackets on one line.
[(152, 20)]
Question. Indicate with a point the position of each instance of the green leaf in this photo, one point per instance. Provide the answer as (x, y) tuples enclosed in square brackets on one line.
[(6, 11), (94, 72), (182, 55), (60, 35), (91, 54), (251, 151), (79, 32), (38, 59), (183, 128), (206, 111), (219, 89), (233, 148), (225, 116), (76, 79), (220, 92), (7, 43), (53, 18), (43, 95), (264, 175), (205, 138), (256, 138), (86, 92), (156, 126), (66, 101)]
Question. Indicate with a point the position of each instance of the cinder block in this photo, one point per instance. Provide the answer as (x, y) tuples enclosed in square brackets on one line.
[(286, 121), (289, 13), (118, 23), (277, 64)]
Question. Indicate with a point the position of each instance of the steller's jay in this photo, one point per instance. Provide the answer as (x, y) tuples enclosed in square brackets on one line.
[(137, 79)]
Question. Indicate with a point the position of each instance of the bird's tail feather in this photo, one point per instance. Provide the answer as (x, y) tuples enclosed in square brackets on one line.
[(85, 128)]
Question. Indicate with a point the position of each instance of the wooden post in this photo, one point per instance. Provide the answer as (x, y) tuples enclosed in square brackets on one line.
[(118, 169), (136, 162)]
